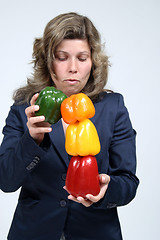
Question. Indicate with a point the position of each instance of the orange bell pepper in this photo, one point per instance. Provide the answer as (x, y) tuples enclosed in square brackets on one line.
[(77, 108), (82, 139)]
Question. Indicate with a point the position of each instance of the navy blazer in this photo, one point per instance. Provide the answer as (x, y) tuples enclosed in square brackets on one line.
[(43, 211)]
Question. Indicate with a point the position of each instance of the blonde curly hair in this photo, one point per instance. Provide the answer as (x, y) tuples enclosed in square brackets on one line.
[(65, 26)]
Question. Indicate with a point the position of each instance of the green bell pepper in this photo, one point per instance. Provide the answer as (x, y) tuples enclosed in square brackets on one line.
[(49, 101)]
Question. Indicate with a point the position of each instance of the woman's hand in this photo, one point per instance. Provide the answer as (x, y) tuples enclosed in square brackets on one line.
[(90, 199), (36, 125)]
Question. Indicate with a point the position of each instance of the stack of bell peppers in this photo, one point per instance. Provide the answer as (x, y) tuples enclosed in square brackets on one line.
[(82, 143)]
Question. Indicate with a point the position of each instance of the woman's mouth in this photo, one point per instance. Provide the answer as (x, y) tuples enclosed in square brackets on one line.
[(71, 81)]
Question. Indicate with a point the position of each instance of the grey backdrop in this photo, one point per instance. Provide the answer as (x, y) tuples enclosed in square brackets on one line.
[(131, 31)]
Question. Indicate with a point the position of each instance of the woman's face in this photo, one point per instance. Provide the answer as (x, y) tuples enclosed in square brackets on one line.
[(72, 65)]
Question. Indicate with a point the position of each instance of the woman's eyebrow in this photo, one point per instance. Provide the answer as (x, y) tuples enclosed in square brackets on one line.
[(60, 51), (81, 52)]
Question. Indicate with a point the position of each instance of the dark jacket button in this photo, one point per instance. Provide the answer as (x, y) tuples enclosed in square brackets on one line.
[(64, 176), (63, 203)]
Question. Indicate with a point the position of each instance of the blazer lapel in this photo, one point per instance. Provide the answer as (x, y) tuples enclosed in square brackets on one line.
[(58, 140)]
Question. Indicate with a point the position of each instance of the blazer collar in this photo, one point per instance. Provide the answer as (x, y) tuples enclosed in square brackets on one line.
[(58, 140)]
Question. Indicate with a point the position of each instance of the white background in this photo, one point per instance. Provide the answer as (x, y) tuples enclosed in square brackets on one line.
[(131, 30)]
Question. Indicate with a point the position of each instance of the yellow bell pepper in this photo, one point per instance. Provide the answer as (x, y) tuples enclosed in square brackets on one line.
[(82, 139)]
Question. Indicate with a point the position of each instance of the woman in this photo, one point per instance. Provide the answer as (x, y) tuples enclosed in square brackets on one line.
[(32, 155)]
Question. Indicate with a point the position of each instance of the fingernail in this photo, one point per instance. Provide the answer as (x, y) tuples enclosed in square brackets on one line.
[(49, 129), (42, 118), (103, 179), (79, 199), (36, 107)]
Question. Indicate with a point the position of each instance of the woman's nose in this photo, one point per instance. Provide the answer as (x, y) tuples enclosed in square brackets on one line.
[(73, 66)]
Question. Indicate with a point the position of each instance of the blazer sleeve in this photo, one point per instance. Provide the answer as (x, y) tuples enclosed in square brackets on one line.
[(19, 154), (122, 161)]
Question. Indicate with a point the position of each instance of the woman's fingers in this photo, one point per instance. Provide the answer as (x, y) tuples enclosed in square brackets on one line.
[(36, 124), (38, 119), (30, 111), (34, 98), (104, 181), (90, 199), (85, 202)]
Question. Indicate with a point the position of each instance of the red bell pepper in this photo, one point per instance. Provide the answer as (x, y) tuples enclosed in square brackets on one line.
[(82, 176)]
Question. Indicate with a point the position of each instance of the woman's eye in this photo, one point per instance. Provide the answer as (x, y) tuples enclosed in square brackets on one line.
[(62, 58), (82, 59)]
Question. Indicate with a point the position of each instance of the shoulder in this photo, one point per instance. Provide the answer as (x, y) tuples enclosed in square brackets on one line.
[(17, 113), (16, 107), (111, 100), (112, 96), (111, 106)]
